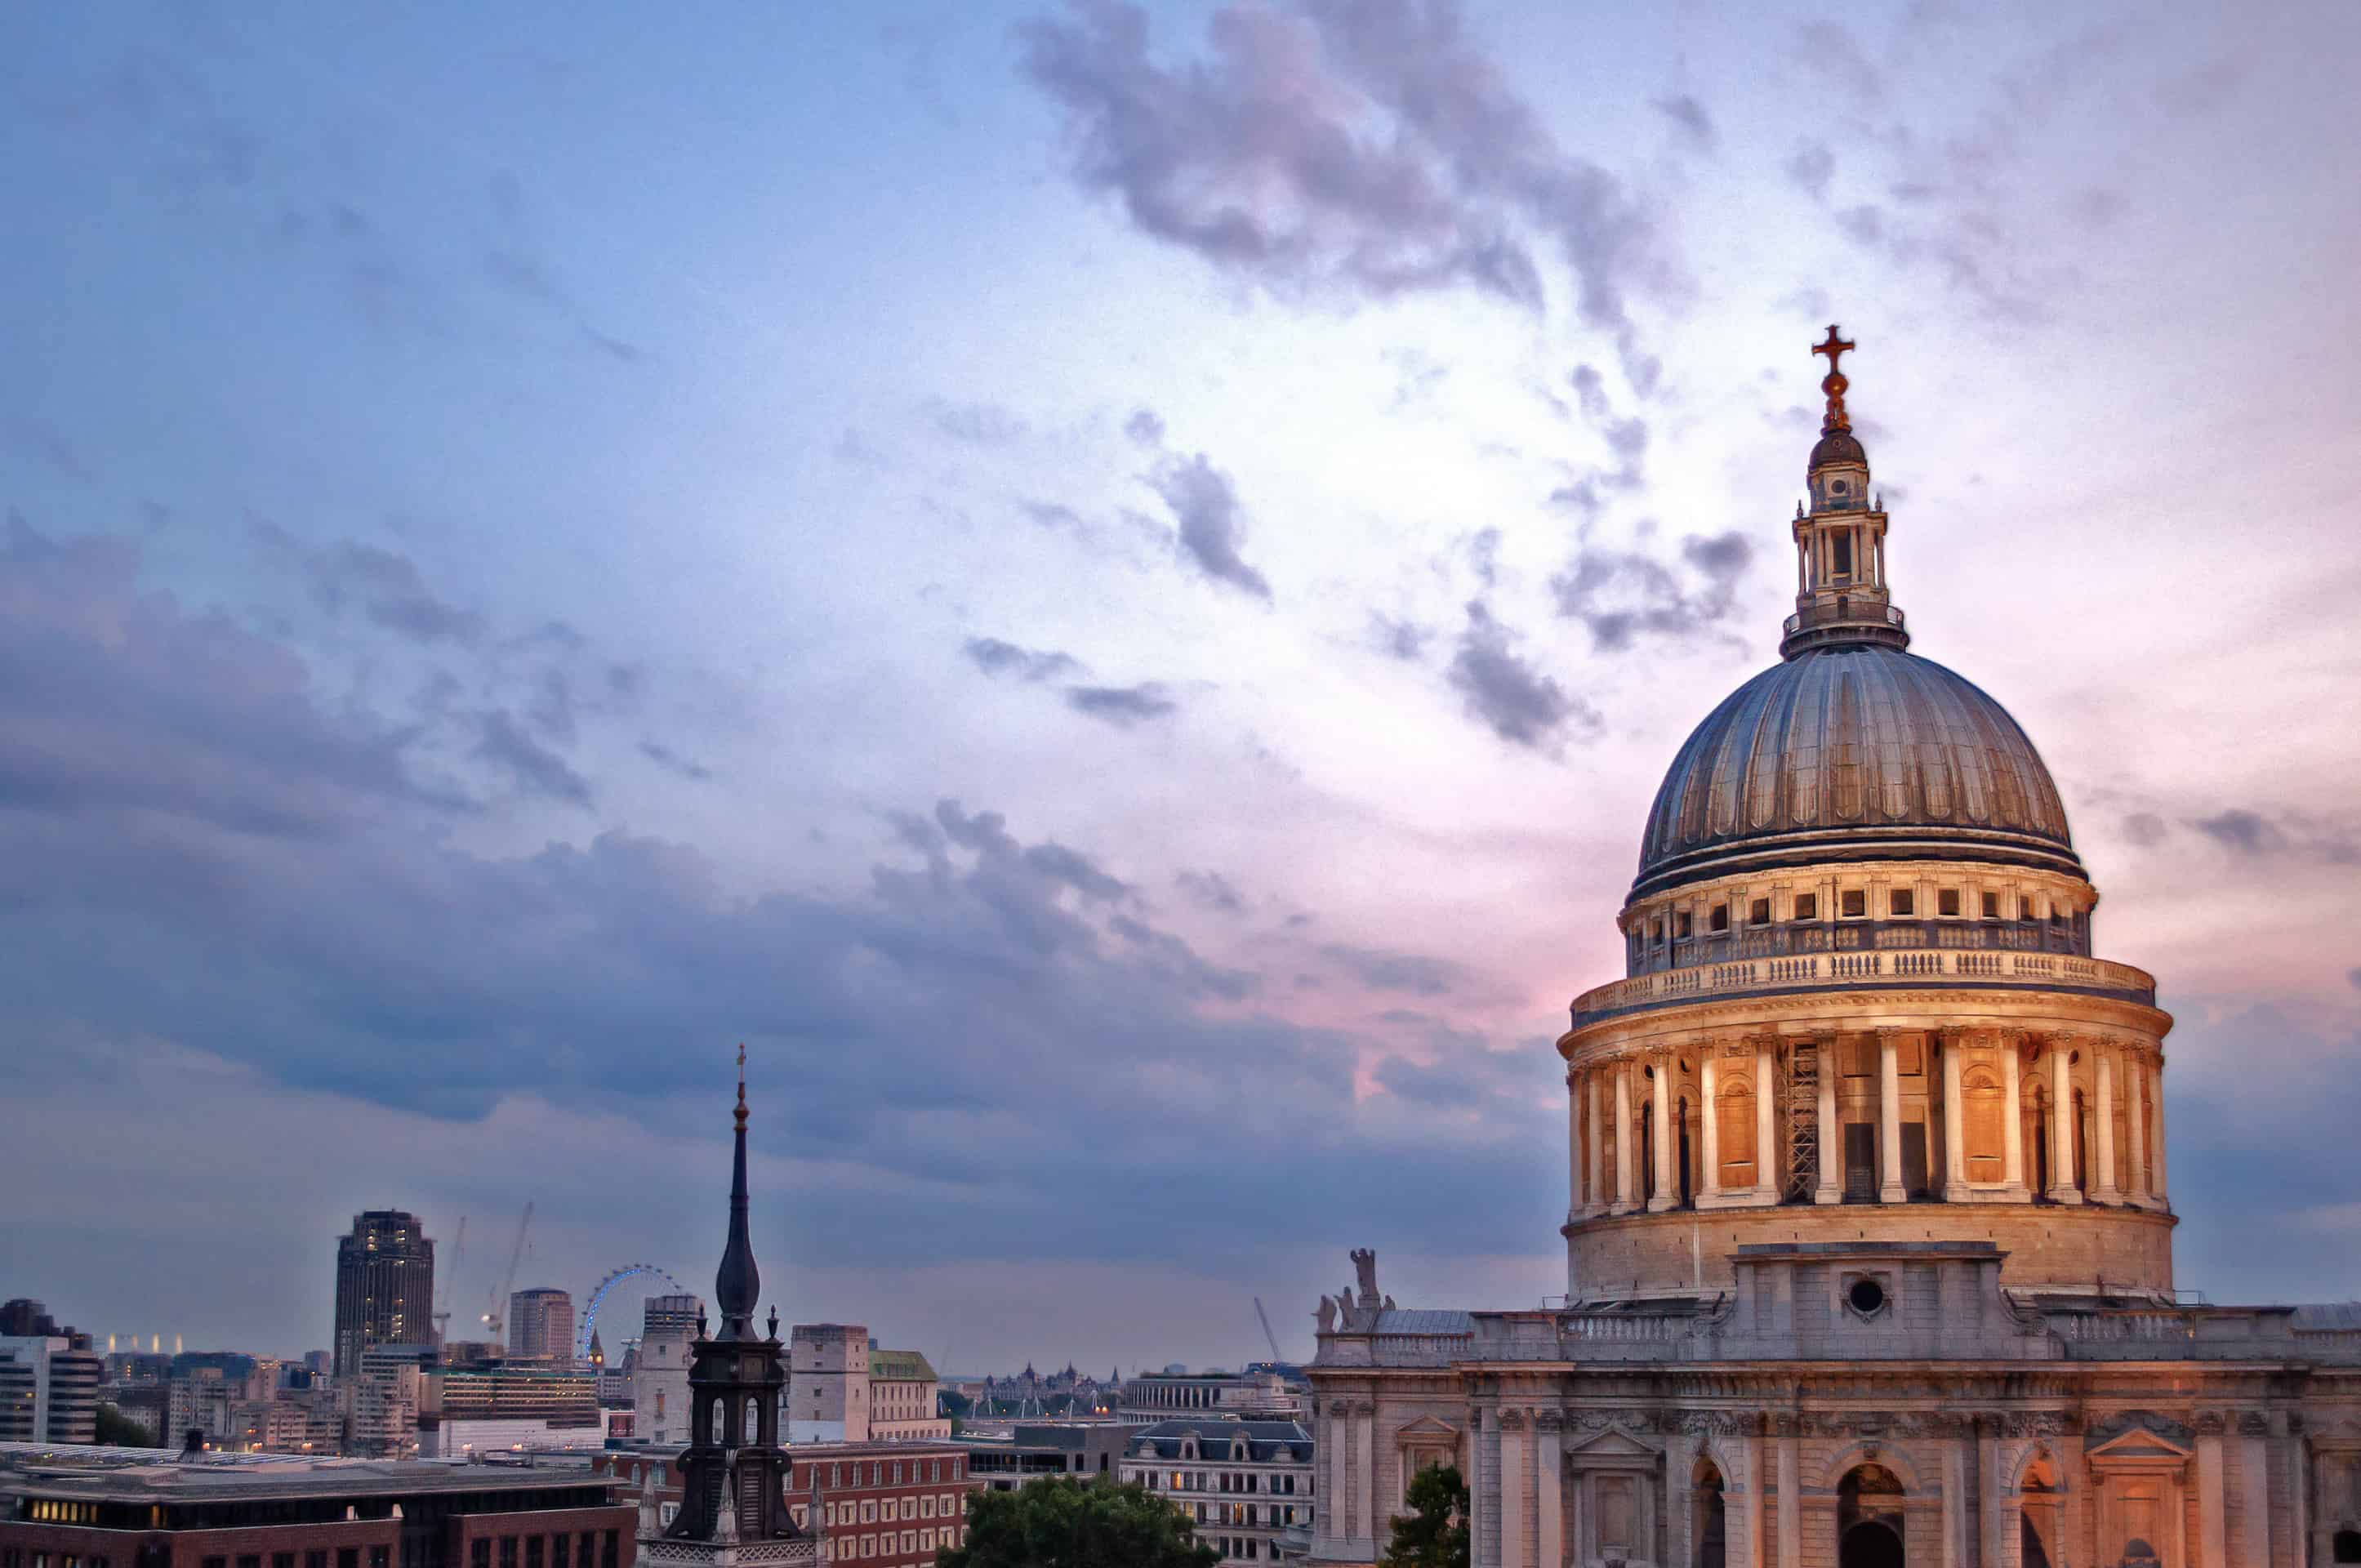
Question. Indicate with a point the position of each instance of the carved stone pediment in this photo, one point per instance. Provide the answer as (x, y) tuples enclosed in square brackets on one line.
[(1612, 1447), (1427, 1426), (2144, 1442)]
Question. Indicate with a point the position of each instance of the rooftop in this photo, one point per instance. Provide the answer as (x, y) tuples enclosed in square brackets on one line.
[(101, 1474)]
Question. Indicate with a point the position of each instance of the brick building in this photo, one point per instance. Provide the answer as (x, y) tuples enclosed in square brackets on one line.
[(882, 1504), (94, 1508)]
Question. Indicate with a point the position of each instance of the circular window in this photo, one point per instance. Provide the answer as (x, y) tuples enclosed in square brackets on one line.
[(1835, 486), (1867, 1295)]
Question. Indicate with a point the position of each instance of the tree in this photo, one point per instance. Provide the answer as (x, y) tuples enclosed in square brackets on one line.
[(121, 1431), (1057, 1522), (1433, 1534)]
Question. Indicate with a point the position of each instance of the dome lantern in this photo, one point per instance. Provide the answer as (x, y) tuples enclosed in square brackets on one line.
[(1842, 595)]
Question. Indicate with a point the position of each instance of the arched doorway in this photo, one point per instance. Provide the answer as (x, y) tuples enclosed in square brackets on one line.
[(1869, 1544), (1706, 1507), (1869, 1518)]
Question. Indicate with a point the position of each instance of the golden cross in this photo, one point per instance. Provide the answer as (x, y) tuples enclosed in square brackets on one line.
[(1832, 347)]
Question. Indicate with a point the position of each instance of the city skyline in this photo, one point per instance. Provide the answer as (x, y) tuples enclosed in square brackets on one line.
[(1105, 588)]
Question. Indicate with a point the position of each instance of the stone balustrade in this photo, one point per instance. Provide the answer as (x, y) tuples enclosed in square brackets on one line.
[(1822, 970)]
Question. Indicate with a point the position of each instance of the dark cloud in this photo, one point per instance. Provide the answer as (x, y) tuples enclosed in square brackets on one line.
[(384, 585), (1621, 595), (1811, 168), (1212, 890), (2145, 828), (1502, 688), (672, 762), (1415, 974), (1145, 427), (1626, 440), (2240, 831), (1122, 706), (1402, 640), (2254, 835), (1257, 158), (2355, 976), (1689, 118), (1830, 52), (982, 423), (1206, 506), (531, 766), (113, 700), (994, 657)]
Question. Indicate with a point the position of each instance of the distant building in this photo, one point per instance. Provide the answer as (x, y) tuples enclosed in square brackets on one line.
[(387, 1402), (902, 1401), (828, 1383), (660, 1372), (142, 1404), (49, 1387), (1265, 1393), (1080, 1450), (882, 1505), (145, 1510), (1248, 1485), (21, 1317), (484, 1409), (320, 1363), (541, 1325), (385, 1285)]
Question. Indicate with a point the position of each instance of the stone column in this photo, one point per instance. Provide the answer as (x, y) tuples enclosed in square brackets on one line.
[(1514, 1465), (2102, 1180), (2255, 1491), (2212, 1513), (2156, 1155), (1594, 1090), (1668, 1194), (1889, 1119), (1766, 1146), (2135, 1155), (1624, 1172), (2062, 1124), (1549, 1479), (1790, 1498), (1955, 1153), (1710, 1124), (2011, 1123), (1574, 1196), (1372, 1518), (1956, 1511), (1832, 1187)]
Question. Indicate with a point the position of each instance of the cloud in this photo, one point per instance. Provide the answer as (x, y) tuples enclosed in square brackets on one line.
[(1501, 688), (672, 762), (1689, 118), (2145, 828), (384, 585), (1212, 890), (531, 766), (1206, 505), (1626, 440), (1414, 973), (1402, 639), (2252, 835), (994, 657), (1145, 427), (1810, 169), (979, 423), (1362, 145), (1122, 706), (1621, 595)]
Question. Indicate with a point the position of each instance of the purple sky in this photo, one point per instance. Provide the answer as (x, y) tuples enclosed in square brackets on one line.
[(1108, 591)]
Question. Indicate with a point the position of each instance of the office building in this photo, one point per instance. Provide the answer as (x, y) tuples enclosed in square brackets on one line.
[(1248, 1485), (541, 1325), (385, 1286)]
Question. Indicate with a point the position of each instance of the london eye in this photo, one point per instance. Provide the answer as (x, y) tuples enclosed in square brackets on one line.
[(590, 1313)]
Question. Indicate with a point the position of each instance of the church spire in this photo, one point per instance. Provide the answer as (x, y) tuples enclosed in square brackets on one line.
[(1841, 597), (738, 1282)]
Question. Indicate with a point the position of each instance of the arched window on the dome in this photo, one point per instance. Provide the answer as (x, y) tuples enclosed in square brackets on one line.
[(1734, 1131)]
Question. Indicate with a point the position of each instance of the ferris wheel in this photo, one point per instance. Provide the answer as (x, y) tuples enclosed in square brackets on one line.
[(590, 1313)]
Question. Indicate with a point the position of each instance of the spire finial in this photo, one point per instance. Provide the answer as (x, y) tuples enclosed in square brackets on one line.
[(742, 1086), (735, 1286), (1834, 382)]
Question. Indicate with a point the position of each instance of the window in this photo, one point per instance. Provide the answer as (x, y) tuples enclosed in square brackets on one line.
[(348, 1557), (2024, 910), (245, 1559), (1736, 1128), (1682, 927), (533, 1554), (1947, 903), (1981, 1110), (377, 1555), (611, 1550), (1991, 906), (1901, 901), (1807, 906), (282, 1560), (479, 1555), (1852, 903), (320, 1560), (1655, 931), (1842, 543), (561, 1550), (1719, 919), (1758, 913), (507, 1551)]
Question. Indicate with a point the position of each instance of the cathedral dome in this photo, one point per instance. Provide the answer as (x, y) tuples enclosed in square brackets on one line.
[(1857, 750)]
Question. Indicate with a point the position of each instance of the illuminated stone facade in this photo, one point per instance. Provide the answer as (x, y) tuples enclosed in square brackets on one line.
[(1869, 1239)]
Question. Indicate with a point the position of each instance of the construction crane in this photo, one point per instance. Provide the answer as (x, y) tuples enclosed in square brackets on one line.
[(1276, 1359), (443, 1311), (496, 1317)]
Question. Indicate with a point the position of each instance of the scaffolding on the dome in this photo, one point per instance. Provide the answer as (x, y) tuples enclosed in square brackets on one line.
[(1803, 1087)]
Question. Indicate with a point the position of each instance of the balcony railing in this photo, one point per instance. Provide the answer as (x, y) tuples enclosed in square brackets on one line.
[(1805, 972), (1846, 612)]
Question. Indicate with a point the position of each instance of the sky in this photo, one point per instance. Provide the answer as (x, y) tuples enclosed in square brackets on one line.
[(1106, 589)]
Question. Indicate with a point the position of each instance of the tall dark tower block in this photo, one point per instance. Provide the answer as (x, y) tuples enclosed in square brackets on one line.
[(385, 1286)]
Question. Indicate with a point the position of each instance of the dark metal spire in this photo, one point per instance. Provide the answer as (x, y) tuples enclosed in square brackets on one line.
[(738, 1282)]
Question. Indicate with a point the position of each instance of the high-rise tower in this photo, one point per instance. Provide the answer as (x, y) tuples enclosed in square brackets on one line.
[(733, 1506), (385, 1286)]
